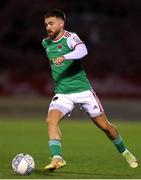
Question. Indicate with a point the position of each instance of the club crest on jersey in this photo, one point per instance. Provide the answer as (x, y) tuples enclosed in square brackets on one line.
[(60, 47)]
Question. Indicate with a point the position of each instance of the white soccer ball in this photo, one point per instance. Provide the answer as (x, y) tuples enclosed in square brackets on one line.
[(23, 164)]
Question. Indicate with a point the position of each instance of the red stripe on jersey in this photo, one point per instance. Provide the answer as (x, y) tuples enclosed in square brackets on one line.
[(98, 102), (67, 34)]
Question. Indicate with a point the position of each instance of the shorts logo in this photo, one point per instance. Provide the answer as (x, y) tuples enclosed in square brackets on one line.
[(95, 107), (55, 98)]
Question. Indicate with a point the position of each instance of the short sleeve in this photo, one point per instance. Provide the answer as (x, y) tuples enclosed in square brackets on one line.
[(73, 40)]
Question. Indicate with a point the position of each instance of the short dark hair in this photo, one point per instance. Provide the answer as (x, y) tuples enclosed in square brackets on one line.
[(56, 13)]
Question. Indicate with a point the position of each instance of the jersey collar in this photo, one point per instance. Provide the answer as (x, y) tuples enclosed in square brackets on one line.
[(59, 38)]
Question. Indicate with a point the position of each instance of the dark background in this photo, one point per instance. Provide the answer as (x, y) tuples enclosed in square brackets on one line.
[(110, 29)]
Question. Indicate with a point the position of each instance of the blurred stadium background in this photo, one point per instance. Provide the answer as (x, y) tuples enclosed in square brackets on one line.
[(112, 33)]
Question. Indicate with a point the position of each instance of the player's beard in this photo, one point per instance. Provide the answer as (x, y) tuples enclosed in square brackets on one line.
[(52, 35)]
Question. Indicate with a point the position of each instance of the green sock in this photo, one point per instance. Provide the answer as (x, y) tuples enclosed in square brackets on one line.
[(119, 144), (55, 147)]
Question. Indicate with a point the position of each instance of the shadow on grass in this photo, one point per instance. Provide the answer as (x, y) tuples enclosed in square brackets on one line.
[(44, 173), (61, 174), (73, 175)]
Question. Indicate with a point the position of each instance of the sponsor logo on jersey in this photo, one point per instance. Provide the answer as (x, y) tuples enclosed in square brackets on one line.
[(52, 62)]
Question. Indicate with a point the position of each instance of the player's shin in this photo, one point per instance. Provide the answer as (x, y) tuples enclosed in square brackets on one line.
[(55, 147), (118, 142)]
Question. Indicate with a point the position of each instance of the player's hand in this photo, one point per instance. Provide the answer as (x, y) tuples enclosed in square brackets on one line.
[(59, 60)]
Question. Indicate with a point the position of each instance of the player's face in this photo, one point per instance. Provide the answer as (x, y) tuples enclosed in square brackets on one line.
[(54, 27)]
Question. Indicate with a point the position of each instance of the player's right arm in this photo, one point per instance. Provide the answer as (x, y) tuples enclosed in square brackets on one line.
[(78, 47)]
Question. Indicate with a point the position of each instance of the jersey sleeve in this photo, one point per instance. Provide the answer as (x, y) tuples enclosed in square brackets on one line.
[(73, 41), (79, 52), (43, 43)]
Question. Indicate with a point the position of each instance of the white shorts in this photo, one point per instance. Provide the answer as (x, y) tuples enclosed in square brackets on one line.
[(87, 101)]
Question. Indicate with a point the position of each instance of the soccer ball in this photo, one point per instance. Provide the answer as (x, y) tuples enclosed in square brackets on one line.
[(23, 164)]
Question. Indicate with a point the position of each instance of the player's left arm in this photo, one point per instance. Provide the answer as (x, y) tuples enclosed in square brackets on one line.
[(79, 50)]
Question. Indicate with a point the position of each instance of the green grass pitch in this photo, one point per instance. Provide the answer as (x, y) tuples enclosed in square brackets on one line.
[(88, 152)]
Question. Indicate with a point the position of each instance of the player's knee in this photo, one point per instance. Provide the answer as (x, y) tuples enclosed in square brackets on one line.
[(51, 121)]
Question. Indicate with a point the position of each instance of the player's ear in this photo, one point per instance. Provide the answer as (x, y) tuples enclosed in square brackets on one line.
[(62, 24)]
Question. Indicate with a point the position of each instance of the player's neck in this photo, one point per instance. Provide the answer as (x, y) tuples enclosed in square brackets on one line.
[(59, 35)]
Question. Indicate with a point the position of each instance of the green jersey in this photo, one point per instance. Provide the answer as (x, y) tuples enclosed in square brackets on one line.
[(69, 76)]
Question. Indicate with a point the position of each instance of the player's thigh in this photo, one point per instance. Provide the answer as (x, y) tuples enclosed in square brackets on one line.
[(54, 117), (102, 122)]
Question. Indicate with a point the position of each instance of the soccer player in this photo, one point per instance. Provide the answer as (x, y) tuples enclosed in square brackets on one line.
[(64, 50)]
